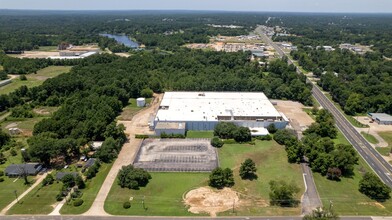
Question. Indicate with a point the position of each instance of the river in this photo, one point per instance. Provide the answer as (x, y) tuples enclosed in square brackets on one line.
[(122, 39)]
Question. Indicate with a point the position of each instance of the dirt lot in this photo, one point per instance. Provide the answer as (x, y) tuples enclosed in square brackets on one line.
[(36, 54), (294, 111), (206, 200)]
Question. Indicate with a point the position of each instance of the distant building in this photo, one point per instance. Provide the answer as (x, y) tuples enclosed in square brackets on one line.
[(14, 131), (16, 170), (89, 163), (381, 118), (96, 145)]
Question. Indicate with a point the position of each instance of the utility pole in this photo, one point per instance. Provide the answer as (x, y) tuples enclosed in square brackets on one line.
[(16, 196)]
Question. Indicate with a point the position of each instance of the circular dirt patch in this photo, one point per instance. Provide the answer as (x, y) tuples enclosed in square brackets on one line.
[(211, 201)]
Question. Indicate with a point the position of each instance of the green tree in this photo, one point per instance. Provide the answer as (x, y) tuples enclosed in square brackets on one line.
[(272, 128), (248, 169), (220, 178), (146, 93), (225, 130), (283, 194), (48, 180), (80, 182), (133, 178), (68, 180), (242, 134), (374, 188)]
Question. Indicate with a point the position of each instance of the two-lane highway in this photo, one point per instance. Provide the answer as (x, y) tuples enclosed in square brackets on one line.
[(381, 167)]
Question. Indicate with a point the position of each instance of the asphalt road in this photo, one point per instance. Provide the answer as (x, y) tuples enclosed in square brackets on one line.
[(381, 167), (159, 218)]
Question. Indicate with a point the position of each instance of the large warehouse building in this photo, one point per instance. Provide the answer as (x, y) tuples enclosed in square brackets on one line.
[(203, 110)]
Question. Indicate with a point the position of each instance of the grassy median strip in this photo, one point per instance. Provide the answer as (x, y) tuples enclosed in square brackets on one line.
[(369, 137)]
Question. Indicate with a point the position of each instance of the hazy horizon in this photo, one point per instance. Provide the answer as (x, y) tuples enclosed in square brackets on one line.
[(307, 6)]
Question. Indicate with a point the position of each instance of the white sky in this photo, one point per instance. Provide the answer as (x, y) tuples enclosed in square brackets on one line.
[(371, 6)]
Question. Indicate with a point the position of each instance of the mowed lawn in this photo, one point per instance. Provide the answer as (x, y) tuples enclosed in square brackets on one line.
[(8, 187), (89, 193), (200, 134), (271, 162), (344, 195), (162, 196), (35, 79), (41, 200)]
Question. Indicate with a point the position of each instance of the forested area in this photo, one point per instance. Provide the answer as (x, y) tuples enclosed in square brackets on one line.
[(334, 29), (360, 84), (96, 90), (159, 29), (324, 156)]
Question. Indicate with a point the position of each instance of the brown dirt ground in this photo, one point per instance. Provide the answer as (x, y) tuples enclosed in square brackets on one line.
[(207, 200), (294, 111), (37, 54)]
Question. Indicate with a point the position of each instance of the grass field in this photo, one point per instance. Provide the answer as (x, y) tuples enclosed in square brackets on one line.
[(131, 109), (385, 151), (200, 134), (8, 187), (369, 137), (47, 48), (35, 79), (162, 196), (346, 198), (271, 162), (40, 200), (89, 193), (387, 136)]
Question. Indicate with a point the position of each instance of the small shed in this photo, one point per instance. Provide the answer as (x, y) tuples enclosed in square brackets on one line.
[(96, 145), (258, 131), (170, 128), (15, 170), (60, 175), (381, 118)]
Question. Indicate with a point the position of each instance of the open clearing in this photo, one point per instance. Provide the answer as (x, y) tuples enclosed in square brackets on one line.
[(35, 79), (294, 111), (131, 110), (207, 200)]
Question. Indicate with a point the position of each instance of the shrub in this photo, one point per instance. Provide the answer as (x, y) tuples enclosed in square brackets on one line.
[(141, 136), (164, 135), (59, 197), (264, 137), (77, 194), (374, 188), (80, 182), (216, 142), (23, 77), (1, 179), (225, 130), (48, 180), (1, 173), (126, 205), (13, 152), (78, 202)]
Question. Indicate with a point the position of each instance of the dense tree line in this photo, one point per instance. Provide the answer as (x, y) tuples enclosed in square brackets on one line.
[(360, 84)]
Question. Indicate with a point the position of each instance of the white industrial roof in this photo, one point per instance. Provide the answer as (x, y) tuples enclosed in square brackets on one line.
[(381, 116), (206, 106)]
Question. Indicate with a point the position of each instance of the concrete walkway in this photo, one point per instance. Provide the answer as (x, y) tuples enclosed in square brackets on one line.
[(56, 210), (138, 125), (36, 183)]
